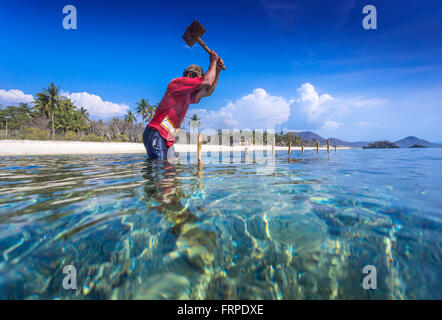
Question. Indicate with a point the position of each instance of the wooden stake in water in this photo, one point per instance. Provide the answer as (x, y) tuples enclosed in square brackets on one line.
[(200, 147), (302, 148), (290, 146), (335, 148), (328, 146), (317, 147), (200, 176), (246, 154), (200, 171)]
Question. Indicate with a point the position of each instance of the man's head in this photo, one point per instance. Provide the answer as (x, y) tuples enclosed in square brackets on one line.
[(193, 71)]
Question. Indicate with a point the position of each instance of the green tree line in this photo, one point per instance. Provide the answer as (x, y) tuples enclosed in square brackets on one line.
[(53, 116)]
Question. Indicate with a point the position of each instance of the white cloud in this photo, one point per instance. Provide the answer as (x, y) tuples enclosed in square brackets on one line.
[(257, 110), (14, 97), (96, 106), (322, 111), (308, 111), (313, 104)]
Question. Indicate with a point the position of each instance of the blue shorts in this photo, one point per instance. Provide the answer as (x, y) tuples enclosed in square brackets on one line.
[(155, 144)]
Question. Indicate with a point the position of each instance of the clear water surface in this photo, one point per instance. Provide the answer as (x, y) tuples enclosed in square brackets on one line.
[(136, 229)]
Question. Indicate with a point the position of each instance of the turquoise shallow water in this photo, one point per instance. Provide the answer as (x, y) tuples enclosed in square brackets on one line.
[(139, 229)]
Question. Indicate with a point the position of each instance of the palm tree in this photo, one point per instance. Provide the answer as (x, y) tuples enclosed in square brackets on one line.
[(67, 105), (69, 118), (84, 113), (25, 108), (145, 109), (152, 109), (130, 117), (47, 102), (195, 121)]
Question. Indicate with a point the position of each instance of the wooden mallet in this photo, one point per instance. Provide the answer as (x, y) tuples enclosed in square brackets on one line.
[(193, 34)]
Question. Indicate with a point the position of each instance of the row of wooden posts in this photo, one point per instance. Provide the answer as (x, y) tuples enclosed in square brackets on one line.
[(317, 147), (246, 151)]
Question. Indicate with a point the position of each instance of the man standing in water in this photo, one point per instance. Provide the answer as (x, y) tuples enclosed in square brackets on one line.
[(160, 133)]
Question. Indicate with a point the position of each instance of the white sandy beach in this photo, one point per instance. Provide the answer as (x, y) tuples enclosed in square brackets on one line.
[(48, 147)]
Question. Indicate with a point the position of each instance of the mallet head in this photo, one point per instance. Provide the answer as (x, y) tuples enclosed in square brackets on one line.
[(193, 32)]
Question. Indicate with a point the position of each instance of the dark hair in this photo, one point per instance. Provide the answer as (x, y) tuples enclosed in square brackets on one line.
[(192, 73)]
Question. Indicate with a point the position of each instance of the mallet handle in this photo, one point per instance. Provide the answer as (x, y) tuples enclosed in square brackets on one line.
[(202, 44)]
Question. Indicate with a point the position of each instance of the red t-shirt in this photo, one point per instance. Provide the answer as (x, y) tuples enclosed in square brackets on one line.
[(173, 107)]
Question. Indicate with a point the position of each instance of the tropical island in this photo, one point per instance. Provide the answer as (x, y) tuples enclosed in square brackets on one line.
[(380, 145)]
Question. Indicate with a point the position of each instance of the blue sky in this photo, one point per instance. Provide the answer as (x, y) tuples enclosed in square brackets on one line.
[(298, 65)]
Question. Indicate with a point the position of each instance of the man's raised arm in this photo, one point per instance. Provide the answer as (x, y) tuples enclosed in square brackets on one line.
[(210, 78)]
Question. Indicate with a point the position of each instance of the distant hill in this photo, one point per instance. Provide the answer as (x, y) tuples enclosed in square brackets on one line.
[(309, 136), (357, 144), (410, 141)]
